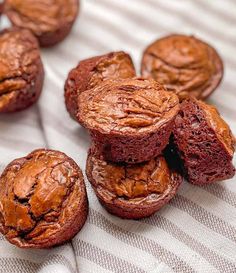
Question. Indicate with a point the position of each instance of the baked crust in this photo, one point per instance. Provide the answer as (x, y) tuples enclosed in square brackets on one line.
[(50, 21), (43, 200), (21, 70), (93, 71), (132, 191), (129, 120), (184, 65)]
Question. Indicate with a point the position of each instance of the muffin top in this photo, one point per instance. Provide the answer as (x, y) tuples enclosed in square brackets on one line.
[(139, 184), (127, 106), (41, 16), (19, 59), (39, 194), (93, 71), (111, 66), (183, 64)]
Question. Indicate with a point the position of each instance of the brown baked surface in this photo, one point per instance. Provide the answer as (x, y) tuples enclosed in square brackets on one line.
[(205, 143), (129, 120), (21, 70), (183, 64), (49, 20), (43, 200), (132, 191), (93, 71)]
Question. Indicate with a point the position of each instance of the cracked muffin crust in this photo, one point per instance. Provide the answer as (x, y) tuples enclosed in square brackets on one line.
[(129, 120), (183, 64), (204, 142), (49, 20), (21, 70), (132, 191), (43, 200), (93, 71)]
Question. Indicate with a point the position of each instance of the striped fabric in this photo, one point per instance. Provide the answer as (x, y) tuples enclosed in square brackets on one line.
[(196, 232)]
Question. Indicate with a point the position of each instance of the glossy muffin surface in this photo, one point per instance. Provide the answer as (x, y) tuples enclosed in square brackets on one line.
[(129, 120), (43, 200), (92, 72), (184, 65), (21, 70), (49, 20), (132, 191)]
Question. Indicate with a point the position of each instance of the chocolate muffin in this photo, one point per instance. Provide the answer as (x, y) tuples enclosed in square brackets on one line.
[(93, 71), (49, 20), (129, 120), (43, 200), (132, 191), (21, 70), (183, 64), (204, 142)]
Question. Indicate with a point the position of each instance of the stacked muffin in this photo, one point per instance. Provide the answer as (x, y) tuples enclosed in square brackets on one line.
[(147, 133), (131, 120)]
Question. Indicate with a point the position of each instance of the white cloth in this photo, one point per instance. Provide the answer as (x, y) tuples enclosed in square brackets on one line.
[(196, 232)]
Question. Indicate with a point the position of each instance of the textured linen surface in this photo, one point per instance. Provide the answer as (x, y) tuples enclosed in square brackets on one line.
[(196, 231)]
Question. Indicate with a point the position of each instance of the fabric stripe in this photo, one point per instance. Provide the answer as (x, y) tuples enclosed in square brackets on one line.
[(148, 25), (193, 21), (157, 235), (89, 266), (208, 7), (201, 198), (27, 117), (145, 244), (19, 144), (23, 123), (160, 27), (204, 217), (90, 41), (112, 28), (124, 12), (104, 258), (17, 265), (54, 122), (222, 193), (40, 122), (222, 264), (229, 87)]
